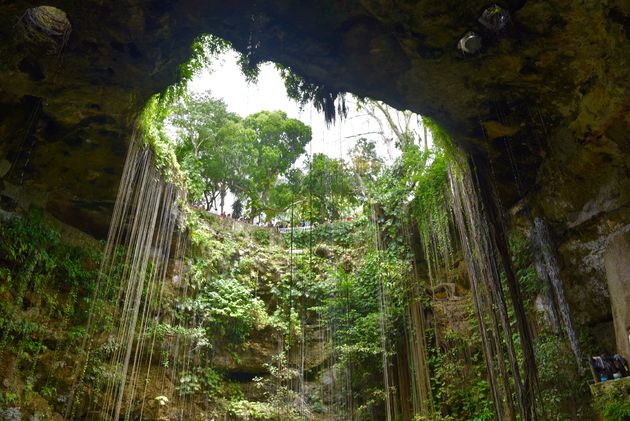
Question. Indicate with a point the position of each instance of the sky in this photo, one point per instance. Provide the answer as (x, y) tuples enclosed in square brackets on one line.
[(225, 80)]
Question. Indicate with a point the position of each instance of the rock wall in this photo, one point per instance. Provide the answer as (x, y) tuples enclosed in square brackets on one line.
[(617, 258), (543, 107)]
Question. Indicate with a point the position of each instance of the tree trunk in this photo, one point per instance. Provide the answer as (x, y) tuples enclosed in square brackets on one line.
[(222, 194)]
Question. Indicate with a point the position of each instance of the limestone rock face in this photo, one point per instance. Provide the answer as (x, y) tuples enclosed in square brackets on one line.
[(543, 107), (250, 358), (618, 274), (254, 357)]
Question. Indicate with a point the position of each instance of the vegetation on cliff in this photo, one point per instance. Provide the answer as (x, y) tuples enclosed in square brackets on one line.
[(395, 290)]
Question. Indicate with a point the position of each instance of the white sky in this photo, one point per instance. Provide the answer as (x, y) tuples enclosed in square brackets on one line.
[(225, 80)]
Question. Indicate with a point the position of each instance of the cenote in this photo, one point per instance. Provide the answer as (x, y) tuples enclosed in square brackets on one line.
[(315, 210)]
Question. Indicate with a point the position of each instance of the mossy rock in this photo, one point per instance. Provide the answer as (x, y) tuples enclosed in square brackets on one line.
[(612, 399)]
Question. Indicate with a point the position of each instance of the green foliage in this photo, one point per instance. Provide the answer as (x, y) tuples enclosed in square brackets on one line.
[(48, 392), (152, 119), (441, 139), (279, 141), (196, 336), (210, 145), (250, 68), (280, 398), (341, 233), (415, 190), (46, 289), (208, 382), (248, 410), (203, 50), (430, 192), (320, 285), (614, 404), (353, 306), (237, 209), (365, 160), (324, 190), (151, 126), (458, 378), (226, 307), (219, 153), (9, 398), (328, 188), (33, 259), (262, 236), (189, 384), (561, 384)]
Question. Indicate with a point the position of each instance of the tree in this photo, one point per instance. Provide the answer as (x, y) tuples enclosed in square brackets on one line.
[(197, 120), (233, 151), (208, 144), (402, 127), (365, 160), (220, 152), (287, 191), (330, 187), (278, 143), (237, 209)]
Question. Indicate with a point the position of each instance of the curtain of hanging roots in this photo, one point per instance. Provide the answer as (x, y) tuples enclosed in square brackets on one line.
[(146, 222), (383, 319), (417, 345), (491, 305)]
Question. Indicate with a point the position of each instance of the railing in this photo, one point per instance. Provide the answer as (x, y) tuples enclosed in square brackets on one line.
[(285, 230), (226, 220)]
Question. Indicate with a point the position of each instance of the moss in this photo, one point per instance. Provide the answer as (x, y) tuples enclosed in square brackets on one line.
[(46, 288), (612, 399)]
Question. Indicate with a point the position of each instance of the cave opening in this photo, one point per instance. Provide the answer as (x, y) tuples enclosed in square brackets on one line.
[(451, 264)]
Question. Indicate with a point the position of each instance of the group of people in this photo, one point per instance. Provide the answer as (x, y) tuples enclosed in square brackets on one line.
[(223, 215), (606, 368), (273, 223)]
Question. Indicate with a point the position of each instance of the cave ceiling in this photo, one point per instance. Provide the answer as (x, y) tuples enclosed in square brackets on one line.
[(545, 102)]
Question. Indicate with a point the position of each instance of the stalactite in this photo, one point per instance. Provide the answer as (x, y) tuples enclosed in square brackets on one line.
[(547, 293)]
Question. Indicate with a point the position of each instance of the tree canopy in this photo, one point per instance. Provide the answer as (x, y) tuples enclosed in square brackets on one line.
[(221, 152), (208, 143), (278, 142)]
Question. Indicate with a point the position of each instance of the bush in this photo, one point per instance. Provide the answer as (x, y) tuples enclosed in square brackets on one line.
[(247, 410), (262, 236), (227, 306), (613, 400)]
